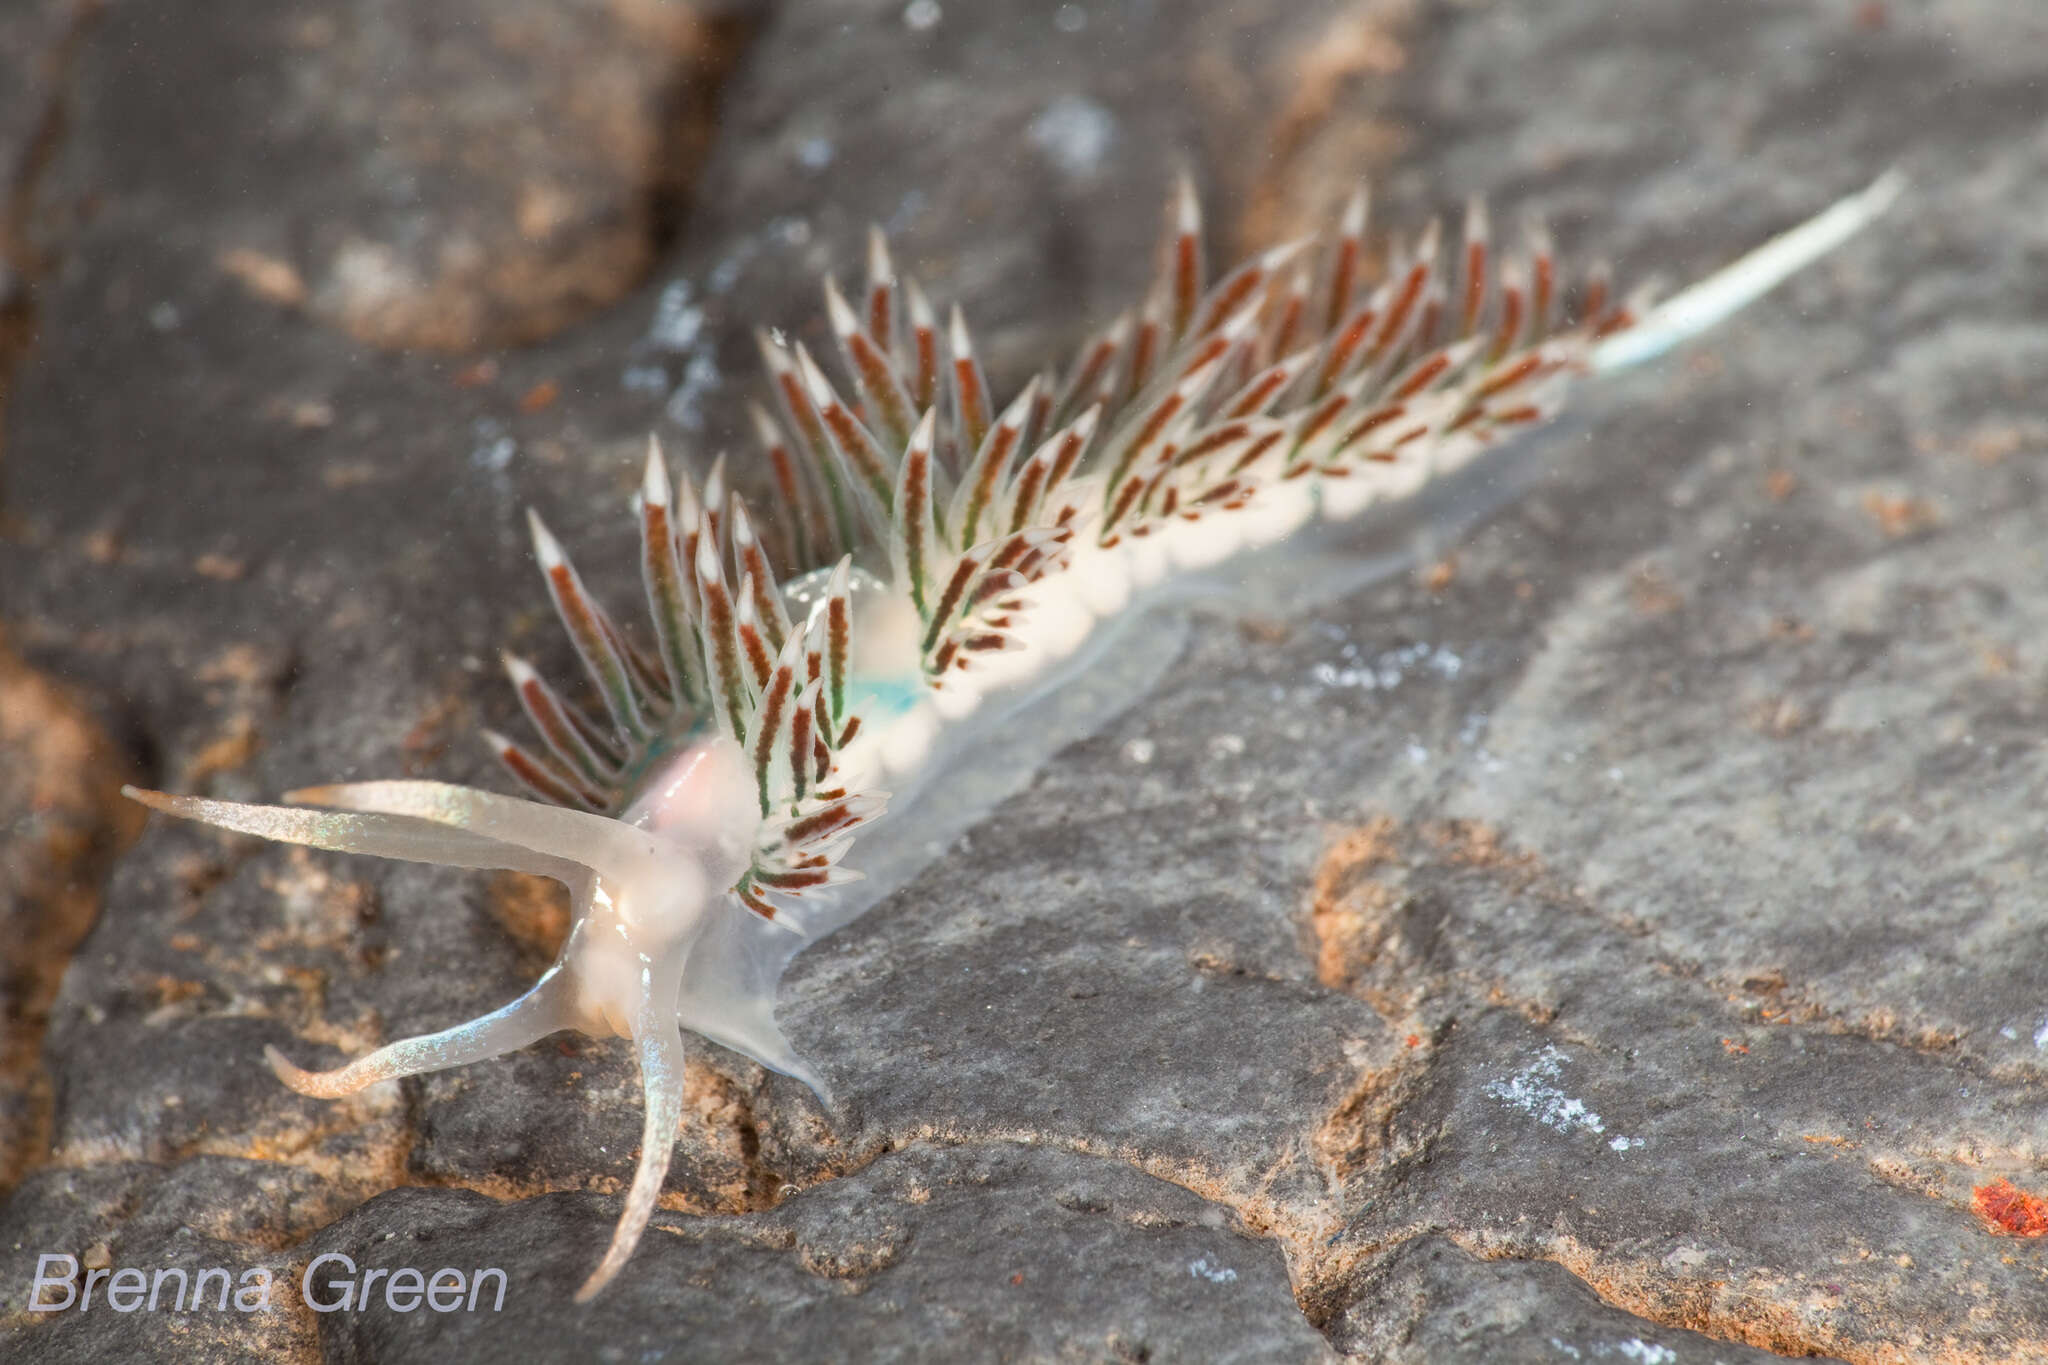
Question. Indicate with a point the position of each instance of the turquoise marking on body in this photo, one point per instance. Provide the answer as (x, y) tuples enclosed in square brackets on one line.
[(885, 699)]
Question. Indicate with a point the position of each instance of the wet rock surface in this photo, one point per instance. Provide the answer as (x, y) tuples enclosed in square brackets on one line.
[(1618, 942)]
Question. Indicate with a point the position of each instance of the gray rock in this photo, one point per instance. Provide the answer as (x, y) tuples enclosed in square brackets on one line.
[(39, 40), (989, 1248), (477, 174), (1431, 1301), (1616, 944)]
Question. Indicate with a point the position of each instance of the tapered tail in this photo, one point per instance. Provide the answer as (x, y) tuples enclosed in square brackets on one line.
[(1692, 311)]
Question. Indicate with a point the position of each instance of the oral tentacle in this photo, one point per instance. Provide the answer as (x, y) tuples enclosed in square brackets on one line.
[(658, 1042), (384, 834), (548, 1007), (604, 845)]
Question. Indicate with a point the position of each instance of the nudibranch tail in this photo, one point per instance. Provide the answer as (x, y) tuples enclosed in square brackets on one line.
[(1727, 291)]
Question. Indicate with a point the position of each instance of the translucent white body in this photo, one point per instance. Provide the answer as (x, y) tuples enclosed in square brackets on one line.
[(661, 942)]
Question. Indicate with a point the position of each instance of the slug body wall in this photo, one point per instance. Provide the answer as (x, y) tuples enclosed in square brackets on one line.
[(935, 559)]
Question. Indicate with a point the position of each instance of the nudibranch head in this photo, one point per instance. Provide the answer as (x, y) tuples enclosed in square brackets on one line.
[(702, 799), (693, 831)]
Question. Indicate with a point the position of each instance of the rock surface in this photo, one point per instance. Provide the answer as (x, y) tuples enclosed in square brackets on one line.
[(1617, 943), (39, 40), (63, 822), (506, 166)]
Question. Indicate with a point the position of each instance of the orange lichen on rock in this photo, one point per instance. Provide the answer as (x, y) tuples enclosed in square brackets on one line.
[(1358, 1134), (1652, 593), (62, 822), (1348, 901), (1333, 122), (267, 277), (2010, 1209), (534, 911), (1900, 516), (1473, 843)]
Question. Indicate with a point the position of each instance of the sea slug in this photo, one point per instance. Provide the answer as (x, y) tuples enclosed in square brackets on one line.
[(934, 553)]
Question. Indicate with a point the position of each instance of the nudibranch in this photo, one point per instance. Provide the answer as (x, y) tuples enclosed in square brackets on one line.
[(931, 550)]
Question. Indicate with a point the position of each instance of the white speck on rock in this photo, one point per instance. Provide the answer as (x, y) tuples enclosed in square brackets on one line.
[(2041, 1036), (1534, 1091), (493, 450), (1201, 1269), (1074, 132), (921, 15), (495, 456), (1646, 1352), (1070, 18), (677, 329), (678, 321), (700, 376), (644, 379), (1140, 750), (815, 153), (1389, 670), (1622, 1144)]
